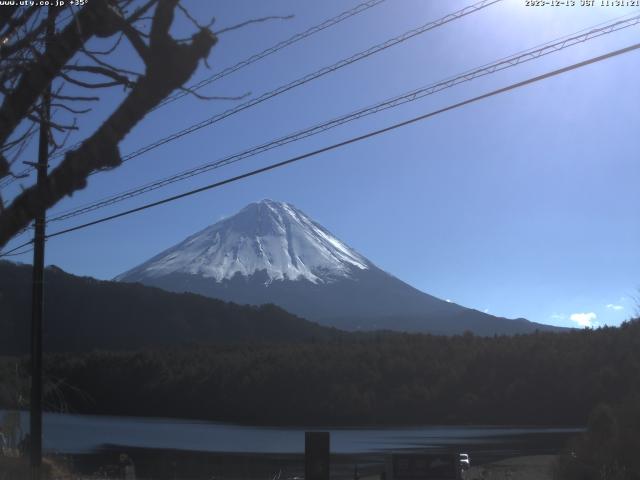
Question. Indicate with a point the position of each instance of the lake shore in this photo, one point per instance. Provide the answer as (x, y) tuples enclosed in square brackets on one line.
[(173, 465), (176, 464)]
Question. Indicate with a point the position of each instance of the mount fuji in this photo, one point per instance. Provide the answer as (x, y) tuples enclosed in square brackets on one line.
[(271, 252)]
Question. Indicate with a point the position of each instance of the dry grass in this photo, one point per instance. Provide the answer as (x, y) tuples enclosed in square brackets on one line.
[(17, 468), (538, 467)]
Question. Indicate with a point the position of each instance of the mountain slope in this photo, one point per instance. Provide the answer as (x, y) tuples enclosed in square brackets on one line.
[(271, 252), (83, 314), (270, 237)]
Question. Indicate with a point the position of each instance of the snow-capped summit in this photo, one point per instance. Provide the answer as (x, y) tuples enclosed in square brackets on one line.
[(271, 252), (269, 236)]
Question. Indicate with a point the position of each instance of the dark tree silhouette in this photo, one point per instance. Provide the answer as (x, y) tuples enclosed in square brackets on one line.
[(29, 64)]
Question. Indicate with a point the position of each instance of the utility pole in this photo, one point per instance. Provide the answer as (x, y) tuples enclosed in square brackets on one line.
[(37, 300)]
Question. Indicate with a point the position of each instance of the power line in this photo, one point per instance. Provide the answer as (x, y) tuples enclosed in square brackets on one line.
[(310, 77), (504, 63), (306, 79), (362, 7), (359, 138), (17, 254), (313, 76), (395, 126), (275, 48), (10, 253)]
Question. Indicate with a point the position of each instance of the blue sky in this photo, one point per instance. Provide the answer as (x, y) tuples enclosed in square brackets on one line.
[(523, 205)]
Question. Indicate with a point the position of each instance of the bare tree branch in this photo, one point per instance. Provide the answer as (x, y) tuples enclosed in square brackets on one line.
[(136, 41), (206, 97), (59, 145), (97, 18), (12, 24), (137, 15), (194, 21), (109, 50), (256, 20), (51, 124), (75, 98), (10, 49), (169, 65), (117, 78), (7, 146), (83, 84), (6, 16), (69, 109), (23, 145), (107, 65)]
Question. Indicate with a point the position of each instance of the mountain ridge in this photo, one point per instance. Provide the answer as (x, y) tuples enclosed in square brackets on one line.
[(83, 314), (271, 252)]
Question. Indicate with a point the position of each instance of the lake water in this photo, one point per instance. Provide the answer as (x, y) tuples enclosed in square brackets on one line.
[(66, 433)]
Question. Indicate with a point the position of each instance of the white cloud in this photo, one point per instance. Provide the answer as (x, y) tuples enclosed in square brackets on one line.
[(558, 316), (612, 306), (448, 300), (584, 319), (486, 310)]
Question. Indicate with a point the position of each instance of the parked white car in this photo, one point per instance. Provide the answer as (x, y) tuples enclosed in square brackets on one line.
[(465, 463)]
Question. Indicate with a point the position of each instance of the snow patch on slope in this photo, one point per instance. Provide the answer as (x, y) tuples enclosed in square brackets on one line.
[(268, 236)]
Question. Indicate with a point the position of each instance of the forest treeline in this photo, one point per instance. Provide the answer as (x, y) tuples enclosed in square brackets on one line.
[(84, 314), (609, 448), (380, 378)]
